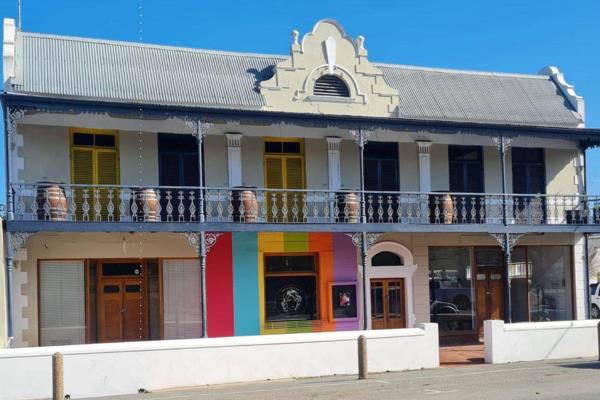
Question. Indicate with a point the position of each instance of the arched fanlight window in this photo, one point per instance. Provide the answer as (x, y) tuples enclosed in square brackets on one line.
[(331, 85), (386, 259)]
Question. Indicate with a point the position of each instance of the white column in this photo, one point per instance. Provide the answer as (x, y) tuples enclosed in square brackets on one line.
[(424, 165), (335, 172), (234, 158)]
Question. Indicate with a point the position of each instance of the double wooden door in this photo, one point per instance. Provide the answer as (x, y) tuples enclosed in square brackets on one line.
[(122, 305), (490, 294), (388, 303)]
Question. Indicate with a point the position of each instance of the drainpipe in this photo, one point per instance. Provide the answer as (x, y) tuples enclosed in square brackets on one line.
[(363, 234), (507, 250)]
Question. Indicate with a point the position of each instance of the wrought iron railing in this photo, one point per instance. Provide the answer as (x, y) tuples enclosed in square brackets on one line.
[(106, 203)]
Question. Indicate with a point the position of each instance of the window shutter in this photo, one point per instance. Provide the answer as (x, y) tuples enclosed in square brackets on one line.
[(107, 168), (274, 172), (182, 301), (190, 170), (62, 302), (294, 173), (83, 166), (389, 175), (169, 170)]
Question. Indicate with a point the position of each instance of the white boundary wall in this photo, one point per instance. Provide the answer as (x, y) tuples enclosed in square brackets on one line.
[(532, 341), (123, 368)]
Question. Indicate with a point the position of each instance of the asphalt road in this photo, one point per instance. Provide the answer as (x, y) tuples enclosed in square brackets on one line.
[(569, 379)]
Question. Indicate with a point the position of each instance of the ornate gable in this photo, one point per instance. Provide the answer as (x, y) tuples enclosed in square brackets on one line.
[(329, 73)]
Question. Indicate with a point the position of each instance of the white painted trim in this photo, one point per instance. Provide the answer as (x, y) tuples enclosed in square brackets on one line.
[(424, 165), (333, 162), (234, 159), (406, 272)]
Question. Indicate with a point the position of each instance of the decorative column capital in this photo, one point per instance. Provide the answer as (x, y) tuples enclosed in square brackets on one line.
[(234, 139), (18, 239), (424, 146), (210, 239), (502, 143), (513, 239), (13, 115), (333, 143), (197, 126), (357, 238), (361, 136)]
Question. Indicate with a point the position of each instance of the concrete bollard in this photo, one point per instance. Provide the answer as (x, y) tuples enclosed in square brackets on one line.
[(363, 368), (58, 383)]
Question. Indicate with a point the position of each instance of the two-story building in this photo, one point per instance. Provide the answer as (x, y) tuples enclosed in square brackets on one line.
[(160, 192)]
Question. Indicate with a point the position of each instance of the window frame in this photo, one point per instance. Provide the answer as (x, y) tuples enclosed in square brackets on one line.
[(316, 273), (95, 150)]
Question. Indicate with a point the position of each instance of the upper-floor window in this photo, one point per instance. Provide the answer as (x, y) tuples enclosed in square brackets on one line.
[(528, 170), (466, 169), (331, 85), (381, 167)]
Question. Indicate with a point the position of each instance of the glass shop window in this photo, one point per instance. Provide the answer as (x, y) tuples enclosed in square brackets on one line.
[(451, 288), (290, 288)]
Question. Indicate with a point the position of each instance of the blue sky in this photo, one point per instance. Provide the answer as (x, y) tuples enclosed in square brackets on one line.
[(508, 36)]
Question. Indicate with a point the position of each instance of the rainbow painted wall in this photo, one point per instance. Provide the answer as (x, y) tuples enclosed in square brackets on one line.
[(235, 280)]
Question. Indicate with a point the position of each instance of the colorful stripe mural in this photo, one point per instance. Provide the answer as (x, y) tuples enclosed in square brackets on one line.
[(235, 280)]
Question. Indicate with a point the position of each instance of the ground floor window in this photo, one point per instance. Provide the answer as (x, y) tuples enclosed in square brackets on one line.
[(541, 283), (290, 288), (451, 288), (62, 302)]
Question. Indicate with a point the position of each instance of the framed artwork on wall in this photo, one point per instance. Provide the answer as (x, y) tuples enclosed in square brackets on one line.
[(343, 301)]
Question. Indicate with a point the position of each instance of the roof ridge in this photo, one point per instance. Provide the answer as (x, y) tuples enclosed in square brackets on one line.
[(461, 71), (150, 45)]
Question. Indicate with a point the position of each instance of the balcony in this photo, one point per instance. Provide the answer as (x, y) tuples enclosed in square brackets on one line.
[(65, 207)]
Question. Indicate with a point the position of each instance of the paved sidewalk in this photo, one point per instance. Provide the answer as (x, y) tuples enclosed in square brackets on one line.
[(569, 379)]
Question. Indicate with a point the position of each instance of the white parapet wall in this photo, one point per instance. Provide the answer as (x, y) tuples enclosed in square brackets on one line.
[(533, 341), (124, 368)]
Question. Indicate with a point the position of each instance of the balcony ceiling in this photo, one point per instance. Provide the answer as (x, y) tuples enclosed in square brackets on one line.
[(121, 72)]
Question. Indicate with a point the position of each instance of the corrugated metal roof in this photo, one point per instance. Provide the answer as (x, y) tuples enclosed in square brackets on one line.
[(62, 66)]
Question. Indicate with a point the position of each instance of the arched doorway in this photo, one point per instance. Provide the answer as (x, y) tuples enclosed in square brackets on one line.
[(390, 270)]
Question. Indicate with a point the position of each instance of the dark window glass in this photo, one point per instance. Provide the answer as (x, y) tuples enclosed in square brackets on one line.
[(291, 147), (111, 289), (528, 170), (381, 166), (118, 269), (105, 140), (466, 169), (133, 288), (154, 299), (488, 258), (290, 263), (273, 147), (290, 298), (386, 258), (83, 139)]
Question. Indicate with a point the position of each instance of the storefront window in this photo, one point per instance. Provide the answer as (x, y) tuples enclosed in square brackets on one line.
[(451, 288), (290, 288), (518, 273), (550, 295)]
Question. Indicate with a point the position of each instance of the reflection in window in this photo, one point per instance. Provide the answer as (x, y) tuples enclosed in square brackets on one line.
[(290, 288), (550, 296), (518, 285), (451, 288)]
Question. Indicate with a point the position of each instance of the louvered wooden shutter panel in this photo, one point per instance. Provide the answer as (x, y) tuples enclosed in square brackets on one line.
[(182, 301), (83, 166), (294, 173), (62, 303), (107, 168), (274, 173)]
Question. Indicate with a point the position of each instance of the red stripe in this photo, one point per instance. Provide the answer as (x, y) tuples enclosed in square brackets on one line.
[(219, 288)]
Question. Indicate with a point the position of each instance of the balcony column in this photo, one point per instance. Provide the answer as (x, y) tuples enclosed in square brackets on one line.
[(361, 138), (508, 241), (234, 159), (423, 147), (199, 129)]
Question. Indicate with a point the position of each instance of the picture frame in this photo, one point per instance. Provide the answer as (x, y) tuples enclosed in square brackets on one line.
[(343, 301)]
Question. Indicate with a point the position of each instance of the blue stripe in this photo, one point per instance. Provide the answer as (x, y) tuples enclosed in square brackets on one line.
[(245, 283)]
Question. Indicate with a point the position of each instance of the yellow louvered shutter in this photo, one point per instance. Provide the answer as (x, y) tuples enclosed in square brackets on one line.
[(83, 166), (294, 173), (274, 173), (107, 168)]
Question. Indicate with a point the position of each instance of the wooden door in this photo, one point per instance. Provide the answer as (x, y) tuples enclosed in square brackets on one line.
[(490, 295), (122, 308), (388, 304)]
